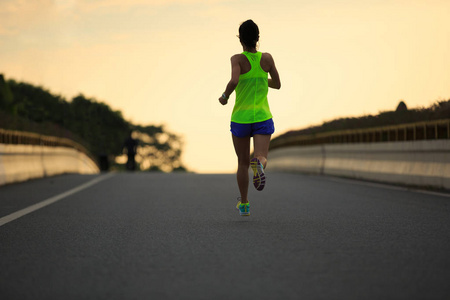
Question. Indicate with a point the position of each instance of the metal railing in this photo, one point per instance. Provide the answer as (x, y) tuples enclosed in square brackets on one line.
[(28, 138), (430, 130)]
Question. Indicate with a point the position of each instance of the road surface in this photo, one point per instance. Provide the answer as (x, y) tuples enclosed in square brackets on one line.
[(179, 236)]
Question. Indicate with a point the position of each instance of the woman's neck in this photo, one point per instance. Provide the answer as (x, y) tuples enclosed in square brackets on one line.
[(250, 49)]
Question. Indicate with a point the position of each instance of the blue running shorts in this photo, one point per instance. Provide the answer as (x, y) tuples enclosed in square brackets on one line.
[(244, 130)]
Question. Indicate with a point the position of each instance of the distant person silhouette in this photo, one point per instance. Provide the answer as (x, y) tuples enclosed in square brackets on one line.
[(251, 115), (130, 145)]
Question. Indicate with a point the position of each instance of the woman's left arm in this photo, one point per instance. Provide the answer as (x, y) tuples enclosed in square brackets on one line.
[(274, 80)]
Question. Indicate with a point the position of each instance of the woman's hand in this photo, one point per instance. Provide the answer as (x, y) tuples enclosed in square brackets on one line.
[(223, 101)]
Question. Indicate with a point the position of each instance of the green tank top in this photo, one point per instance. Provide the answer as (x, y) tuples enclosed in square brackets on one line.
[(251, 93)]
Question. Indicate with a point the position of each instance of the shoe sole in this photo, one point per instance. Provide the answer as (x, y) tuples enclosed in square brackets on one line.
[(259, 178)]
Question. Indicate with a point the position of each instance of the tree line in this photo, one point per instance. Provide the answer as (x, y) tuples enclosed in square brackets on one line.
[(401, 115), (93, 124)]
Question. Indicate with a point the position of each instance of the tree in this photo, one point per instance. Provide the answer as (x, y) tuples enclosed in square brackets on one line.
[(99, 128), (6, 96), (103, 128), (158, 150), (401, 106)]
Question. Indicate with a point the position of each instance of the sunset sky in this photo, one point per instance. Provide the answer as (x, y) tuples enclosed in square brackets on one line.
[(168, 61)]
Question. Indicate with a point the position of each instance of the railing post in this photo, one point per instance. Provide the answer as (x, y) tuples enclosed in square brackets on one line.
[(448, 129)]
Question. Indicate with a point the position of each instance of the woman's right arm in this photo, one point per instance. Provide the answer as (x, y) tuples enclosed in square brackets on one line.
[(232, 84)]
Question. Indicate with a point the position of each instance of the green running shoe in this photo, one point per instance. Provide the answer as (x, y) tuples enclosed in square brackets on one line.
[(244, 208)]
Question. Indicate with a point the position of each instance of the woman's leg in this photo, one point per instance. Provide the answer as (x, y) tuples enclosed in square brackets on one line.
[(261, 144), (242, 148)]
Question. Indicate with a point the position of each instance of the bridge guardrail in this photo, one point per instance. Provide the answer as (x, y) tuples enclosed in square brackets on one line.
[(428, 130), (29, 138), (412, 154), (25, 155)]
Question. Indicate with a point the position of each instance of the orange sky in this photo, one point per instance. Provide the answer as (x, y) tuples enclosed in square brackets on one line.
[(167, 61)]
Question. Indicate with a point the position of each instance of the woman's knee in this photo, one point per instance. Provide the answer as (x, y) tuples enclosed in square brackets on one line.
[(244, 162)]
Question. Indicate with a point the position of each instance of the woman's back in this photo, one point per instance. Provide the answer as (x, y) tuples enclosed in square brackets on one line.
[(266, 63), (251, 104)]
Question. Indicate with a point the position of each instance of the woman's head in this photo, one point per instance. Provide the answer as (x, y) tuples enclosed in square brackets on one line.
[(249, 34)]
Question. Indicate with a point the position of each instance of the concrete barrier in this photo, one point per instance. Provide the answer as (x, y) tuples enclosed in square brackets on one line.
[(307, 159), (24, 162), (420, 163)]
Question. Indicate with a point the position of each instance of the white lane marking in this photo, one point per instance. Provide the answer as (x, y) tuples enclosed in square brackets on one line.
[(390, 187), (32, 208)]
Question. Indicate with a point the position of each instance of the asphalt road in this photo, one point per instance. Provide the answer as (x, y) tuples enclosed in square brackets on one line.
[(179, 236)]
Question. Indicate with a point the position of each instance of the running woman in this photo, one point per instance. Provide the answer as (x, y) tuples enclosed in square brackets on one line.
[(251, 115)]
